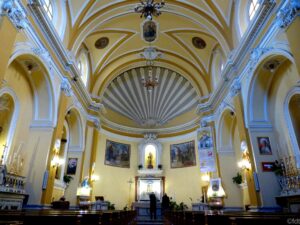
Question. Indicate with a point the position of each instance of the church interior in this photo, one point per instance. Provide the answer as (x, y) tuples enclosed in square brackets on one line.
[(103, 103)]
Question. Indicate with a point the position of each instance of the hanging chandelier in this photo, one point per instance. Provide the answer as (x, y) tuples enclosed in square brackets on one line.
[(150, 54), (152, 81), (149, 8)]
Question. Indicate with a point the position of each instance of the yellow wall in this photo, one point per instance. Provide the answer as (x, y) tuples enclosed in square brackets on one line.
[(113, 181), (181, 183)]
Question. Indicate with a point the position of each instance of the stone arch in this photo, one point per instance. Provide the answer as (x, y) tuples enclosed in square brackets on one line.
[(226, 125), (6, 91), (258, 86), (229, 155), (38, 74), (76, 130)]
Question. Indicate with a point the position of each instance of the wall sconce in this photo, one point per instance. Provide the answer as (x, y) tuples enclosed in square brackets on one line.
[(56, 161), (94, 178), (205, 177), (244, 164)]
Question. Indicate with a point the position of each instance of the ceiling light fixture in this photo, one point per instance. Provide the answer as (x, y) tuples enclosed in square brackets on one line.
[(149, 8), (150, 54), (151, 82)]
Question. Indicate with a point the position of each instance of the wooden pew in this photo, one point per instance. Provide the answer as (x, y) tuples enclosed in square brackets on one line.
[(67, 217)]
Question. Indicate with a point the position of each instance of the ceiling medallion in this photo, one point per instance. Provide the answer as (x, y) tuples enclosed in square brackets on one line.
[(102, 43), (149, 8), (199, 42)]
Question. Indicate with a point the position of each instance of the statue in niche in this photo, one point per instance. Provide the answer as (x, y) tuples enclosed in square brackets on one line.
[(150, 161)]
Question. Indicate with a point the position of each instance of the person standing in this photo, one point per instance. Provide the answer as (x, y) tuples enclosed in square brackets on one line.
[(165, 204), (152, 206)]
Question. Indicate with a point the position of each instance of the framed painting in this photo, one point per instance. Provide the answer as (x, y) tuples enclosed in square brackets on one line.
[(183, 155), (72, 165), (149, 31), (117, 154), (264, 145), (268, 166)]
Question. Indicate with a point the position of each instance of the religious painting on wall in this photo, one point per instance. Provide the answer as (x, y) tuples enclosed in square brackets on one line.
[(264, 145), (206, 150), (117, 154), (149, 31), (72, 165), (183, 155)]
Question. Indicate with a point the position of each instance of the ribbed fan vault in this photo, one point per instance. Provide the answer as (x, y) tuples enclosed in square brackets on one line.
[(172, 97)]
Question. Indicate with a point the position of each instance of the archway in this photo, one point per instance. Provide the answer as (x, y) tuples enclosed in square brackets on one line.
[(228, 145), (8, 117)]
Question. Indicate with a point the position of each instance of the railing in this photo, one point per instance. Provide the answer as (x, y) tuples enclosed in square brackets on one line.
[(288, 173)]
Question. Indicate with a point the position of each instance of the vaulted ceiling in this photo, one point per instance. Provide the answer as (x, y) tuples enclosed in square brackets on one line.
[(180, 22)]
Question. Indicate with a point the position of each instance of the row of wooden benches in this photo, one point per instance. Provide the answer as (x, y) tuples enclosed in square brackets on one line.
[(230, 218), (67, 217)]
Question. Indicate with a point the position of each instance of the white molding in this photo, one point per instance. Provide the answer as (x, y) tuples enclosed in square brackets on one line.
[(120, 137), (293, 139)]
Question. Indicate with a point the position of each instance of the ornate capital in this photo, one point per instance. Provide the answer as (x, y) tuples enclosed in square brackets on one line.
[(151, 54), (95, 120), (16, 13), (287, 15), (150, 136), (44, 54), (203, 123), (235, 88), (255, 55), (66, 87)]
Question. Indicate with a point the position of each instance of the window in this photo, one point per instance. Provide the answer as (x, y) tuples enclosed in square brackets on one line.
[(48, 8), (82, 64), (79, 65), (254, 5)]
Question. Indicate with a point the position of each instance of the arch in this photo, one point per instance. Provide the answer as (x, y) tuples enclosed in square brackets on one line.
[(294, 92), (119, 66), (257, 89), (225, 128), (45, 101), (14, 119), (76, 130), (142, 151)]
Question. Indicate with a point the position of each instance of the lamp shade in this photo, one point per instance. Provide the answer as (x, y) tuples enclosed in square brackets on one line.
[(215, 188)]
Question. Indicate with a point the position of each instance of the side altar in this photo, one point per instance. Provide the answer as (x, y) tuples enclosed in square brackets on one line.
[(12, 192)]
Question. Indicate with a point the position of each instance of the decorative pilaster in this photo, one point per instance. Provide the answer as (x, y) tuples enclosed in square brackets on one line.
[(244, 137)]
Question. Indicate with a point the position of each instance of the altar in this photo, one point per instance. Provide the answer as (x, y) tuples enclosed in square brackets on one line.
[(147, 185)]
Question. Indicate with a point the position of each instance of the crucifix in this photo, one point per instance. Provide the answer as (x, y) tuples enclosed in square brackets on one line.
[(3, 154)]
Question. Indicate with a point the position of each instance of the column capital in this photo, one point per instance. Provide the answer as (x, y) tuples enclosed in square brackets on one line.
[(16, 13), (66, 87), (235, 88), (287, 14)]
